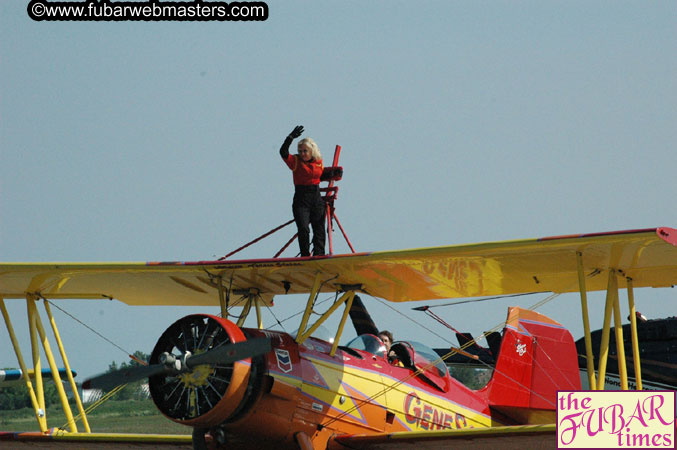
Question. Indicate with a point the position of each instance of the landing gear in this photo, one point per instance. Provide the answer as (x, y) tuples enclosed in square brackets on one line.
[(199, 441), (218, 438)]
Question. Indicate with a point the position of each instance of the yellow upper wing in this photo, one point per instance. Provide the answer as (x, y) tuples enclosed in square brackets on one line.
[(649, 257)]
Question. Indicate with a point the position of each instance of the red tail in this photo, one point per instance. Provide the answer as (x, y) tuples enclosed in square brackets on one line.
[(537, 358)]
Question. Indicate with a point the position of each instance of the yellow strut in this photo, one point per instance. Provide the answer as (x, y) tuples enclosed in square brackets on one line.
[(302, 337), (222, 298), (633, 333), (612, 289), (67, 366), (309, 307), (620, 347), (586, 322), (35, 351), (259, 318), (339, 331), (40, 416), (245, 312), (52, 365)]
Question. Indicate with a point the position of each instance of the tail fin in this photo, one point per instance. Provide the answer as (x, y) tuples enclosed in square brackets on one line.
[(537, 357)]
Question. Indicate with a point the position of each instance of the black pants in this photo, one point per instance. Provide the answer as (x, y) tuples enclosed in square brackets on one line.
[(309, 209)]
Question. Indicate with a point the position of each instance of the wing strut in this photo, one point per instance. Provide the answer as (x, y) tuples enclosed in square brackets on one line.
[(620, 344), (36, 326), (69, 372), (309, 305), (252, 295), (612, 290), (339, 331), (39, 336), (39, 411), (347, 298), (586, 321), (222, 297), (611, 307), (633, 332)]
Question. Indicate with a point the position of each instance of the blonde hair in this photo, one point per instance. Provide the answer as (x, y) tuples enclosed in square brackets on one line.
[(314, 149)]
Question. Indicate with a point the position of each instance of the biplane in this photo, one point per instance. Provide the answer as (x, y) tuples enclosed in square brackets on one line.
[(253, 387), (13, 377), (658, 346)]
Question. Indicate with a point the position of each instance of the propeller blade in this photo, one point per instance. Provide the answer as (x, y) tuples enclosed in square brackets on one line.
[(231, 352), (361, 318), (109, 380), (222, 355)]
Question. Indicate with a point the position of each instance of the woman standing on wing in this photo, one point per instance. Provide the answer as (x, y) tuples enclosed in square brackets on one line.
[(308, 205)]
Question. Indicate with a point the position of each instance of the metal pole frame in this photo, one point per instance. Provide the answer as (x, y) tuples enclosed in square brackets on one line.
[(330, 193), (329, 198), (256, 240), (345, 236), (330, 216), (284, 247)]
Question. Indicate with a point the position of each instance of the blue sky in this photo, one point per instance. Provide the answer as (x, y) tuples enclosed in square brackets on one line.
[(460, 122)]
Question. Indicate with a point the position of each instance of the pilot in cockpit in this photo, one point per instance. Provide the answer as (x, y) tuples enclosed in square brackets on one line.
[(387, 338)]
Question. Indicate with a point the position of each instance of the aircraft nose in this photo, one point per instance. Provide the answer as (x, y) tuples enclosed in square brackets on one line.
[(210, 385)]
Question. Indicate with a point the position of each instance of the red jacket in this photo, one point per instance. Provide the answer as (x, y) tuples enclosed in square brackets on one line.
[(305, 173)]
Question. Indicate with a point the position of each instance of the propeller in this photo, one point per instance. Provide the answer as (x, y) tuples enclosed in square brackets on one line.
[(361, 318), (172, 364)]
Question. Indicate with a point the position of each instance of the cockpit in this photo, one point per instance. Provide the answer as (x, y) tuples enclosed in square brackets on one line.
[(368, 343), (417, 356), (408, 354)]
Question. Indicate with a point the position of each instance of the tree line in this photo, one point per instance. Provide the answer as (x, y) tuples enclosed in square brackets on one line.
[(16, 396)]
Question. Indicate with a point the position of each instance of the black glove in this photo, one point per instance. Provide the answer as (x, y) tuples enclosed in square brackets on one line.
[(296, 132)]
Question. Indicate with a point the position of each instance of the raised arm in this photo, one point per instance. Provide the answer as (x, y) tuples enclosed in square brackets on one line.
[(296, 132)]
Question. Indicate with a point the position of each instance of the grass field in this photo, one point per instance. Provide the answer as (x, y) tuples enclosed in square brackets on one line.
[(129, 416)]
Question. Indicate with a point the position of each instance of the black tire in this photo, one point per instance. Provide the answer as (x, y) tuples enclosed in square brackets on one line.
[(199, 441)]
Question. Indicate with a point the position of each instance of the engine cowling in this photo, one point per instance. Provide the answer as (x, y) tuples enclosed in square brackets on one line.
[(209, 394)]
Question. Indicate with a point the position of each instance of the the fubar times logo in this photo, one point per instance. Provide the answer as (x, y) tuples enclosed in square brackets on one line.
[(616, 419)]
